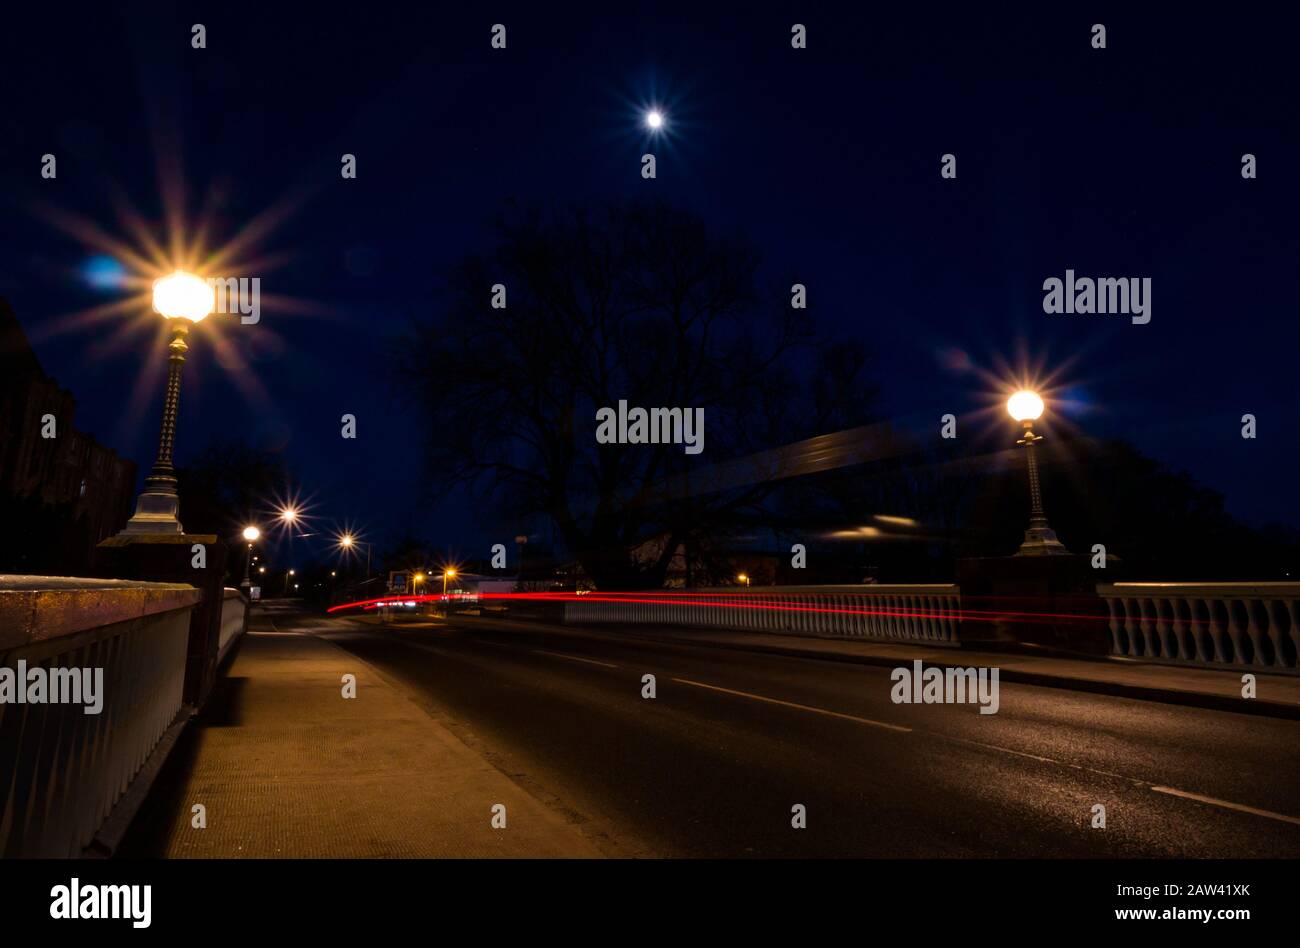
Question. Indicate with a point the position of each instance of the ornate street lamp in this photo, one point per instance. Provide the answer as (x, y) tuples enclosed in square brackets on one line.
[(250, 534), (183, 299), (1040, 540)]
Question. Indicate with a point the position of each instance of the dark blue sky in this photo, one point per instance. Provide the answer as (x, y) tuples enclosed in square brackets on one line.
[(1115, 162)]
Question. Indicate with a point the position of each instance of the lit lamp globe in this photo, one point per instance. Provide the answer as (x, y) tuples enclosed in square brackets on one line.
[(1025, 405), (251, 533), (183, 296), (183, 299)]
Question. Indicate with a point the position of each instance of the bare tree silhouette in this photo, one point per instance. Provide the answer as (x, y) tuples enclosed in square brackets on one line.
[(634, 302)]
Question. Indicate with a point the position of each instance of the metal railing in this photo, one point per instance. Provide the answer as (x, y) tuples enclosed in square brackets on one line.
[(62, 770), (1240, 625), (922, 612), (234, 621)]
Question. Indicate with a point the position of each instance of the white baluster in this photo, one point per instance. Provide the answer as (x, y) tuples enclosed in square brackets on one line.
[(1253, 630), (1161, 605), (1234, 633), (1293, 610), (1197, 626), (1271, 609), (1144, 623), (1112, 608), (1216, 633), (1176, 607)]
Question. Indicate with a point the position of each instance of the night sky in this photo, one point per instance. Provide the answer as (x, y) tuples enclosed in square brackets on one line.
[(1117, 162)]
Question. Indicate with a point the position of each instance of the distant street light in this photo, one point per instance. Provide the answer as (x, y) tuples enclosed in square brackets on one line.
[(183, 299), (347, 541), (250, 534), (744, 578), (1040, 540), (447, 574)]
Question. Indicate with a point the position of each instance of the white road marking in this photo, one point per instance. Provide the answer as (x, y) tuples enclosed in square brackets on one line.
[(1228, 805), (574, 658), (791, 704), (1045, 760), (1212, 801)]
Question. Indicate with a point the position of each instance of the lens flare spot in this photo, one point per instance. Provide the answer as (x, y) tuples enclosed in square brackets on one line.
[(102, 272)]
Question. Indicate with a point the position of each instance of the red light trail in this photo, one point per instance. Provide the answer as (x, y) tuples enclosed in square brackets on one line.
[(754, 601)]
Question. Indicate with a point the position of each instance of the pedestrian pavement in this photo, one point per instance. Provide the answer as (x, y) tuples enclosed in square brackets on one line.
[(286, 766), (1277, 694)]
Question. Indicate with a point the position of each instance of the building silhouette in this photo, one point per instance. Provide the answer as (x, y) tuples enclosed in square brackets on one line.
[(59, 495)]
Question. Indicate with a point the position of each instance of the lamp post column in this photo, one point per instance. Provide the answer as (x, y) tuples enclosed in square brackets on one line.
[(158, 506), (1040, 539)]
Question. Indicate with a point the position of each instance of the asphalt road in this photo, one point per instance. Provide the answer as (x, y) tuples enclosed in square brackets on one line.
[(713, 765)]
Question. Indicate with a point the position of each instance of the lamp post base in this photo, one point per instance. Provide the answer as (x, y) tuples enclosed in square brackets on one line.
[(1042, 541), (156, 511)]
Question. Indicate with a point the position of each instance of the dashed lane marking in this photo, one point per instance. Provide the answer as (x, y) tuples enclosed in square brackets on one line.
[(574, 658), (791, 704)]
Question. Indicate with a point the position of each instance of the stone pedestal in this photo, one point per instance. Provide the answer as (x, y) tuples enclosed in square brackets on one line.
[(157, 509), (169, 558), (1050, 601)]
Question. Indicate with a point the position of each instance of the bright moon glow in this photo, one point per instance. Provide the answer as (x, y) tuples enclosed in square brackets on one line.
[(182, 295), (1025, 405), (654, 119), (251, 533)]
